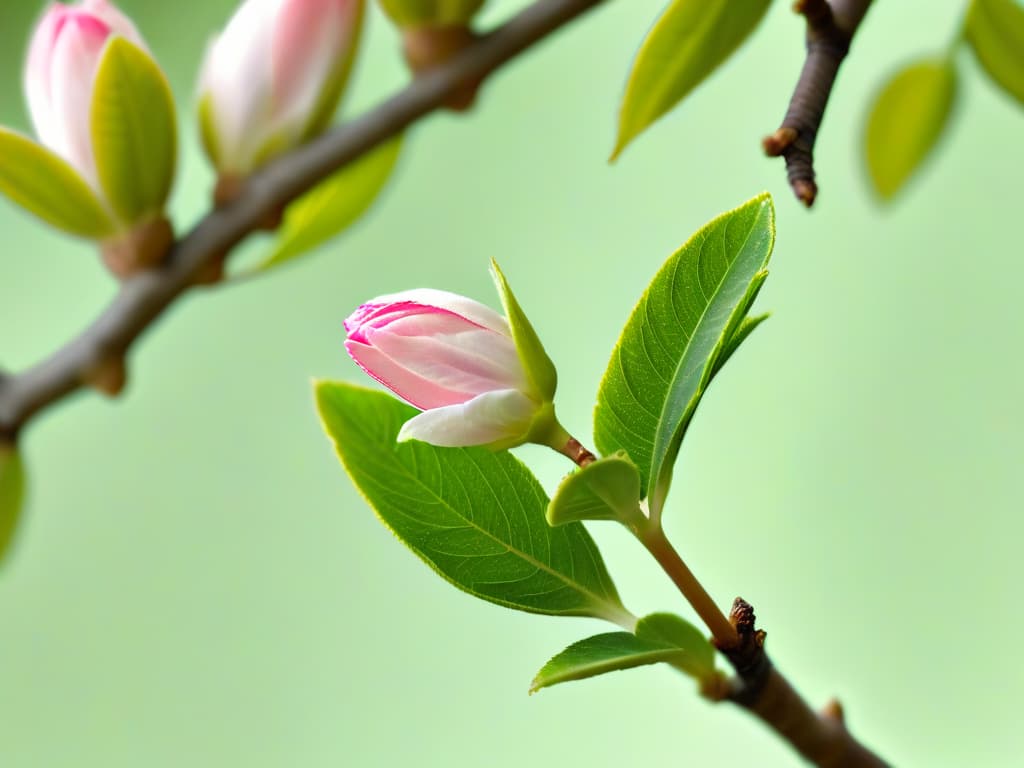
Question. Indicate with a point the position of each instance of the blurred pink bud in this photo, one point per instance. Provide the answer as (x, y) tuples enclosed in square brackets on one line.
[(451, 357), (273, 78), (63, 58)]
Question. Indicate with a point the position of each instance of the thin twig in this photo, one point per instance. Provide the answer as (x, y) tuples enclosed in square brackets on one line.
[(830, 30), (101, 347)]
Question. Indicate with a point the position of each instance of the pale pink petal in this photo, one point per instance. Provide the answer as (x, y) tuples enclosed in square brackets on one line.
[(492, 417), (411, 387), (452, 302), (237, 78), (38, 66), (80, 44), (309, 39), (119, 23), (471, 360)]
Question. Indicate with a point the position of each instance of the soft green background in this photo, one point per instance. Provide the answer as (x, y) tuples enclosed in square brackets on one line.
[(197, 584)]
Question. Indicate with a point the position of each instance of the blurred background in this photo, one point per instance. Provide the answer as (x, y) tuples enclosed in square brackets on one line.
[(196, 582)]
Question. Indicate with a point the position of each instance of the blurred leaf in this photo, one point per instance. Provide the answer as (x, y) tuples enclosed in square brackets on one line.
[(535, 360), (46, 185), (690, 40), (667, 352), (995, 30), (660, 637), (134, 131), (407, 13), (607, 489), (12, 493), (475, 517), (907, 118), (332, 206)]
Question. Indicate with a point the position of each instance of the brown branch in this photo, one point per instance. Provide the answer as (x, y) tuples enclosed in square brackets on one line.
[(830, 30), (96, 357), (822, 738)]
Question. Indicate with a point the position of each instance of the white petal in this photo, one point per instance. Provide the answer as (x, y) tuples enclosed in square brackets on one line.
[(487, 418)]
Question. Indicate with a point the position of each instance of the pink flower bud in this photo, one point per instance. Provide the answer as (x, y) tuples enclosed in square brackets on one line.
[(454, 359), (60, 73), (273, 78)]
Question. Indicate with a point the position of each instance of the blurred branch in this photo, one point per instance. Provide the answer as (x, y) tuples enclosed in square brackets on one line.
[(96, 357), (831, 25)]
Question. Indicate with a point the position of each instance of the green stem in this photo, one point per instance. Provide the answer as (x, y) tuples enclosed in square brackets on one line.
[(654, 539)]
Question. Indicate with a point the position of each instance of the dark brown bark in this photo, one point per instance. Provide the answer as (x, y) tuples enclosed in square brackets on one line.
[(830, 30), (822, 738)]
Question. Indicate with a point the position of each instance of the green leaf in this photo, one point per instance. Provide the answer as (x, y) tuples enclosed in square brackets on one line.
[(995, 30), (667, 353), (660, 637), (12, 493), (332, 206), (475, 517), (906, 120), (739, 336), (607, 489), (406, 13), (46, 185), (690, 40), (134, 133), (535, 360)]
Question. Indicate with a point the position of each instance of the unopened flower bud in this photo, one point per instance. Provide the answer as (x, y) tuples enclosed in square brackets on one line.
[(457, 361), (273, 78), (104, 116)]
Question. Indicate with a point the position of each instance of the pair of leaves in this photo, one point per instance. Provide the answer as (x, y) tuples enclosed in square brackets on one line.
[(475, 516), (914, 107), (332, 206), (134, 142), (688, 42), (660, 637), (690, 320), (12, 492)]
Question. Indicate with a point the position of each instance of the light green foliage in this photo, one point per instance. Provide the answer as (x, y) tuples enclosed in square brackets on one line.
[(44, 184), (134, 131), (995, 30), (690, 316), (476, 517), (660, 637), (12, 492), (538, 366), (907, 119), (608, 489), (690, 40), (333, 205), (407, 13)]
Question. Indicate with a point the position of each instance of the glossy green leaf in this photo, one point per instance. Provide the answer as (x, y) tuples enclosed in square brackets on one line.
[(738, 337), (660, 637), (332, 206), (607, 489), (995, 30), (12, 493), (678, 331), (134, 132), (690, 40), (906, 120), (46, 185), (535, 360), (475, 516)]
